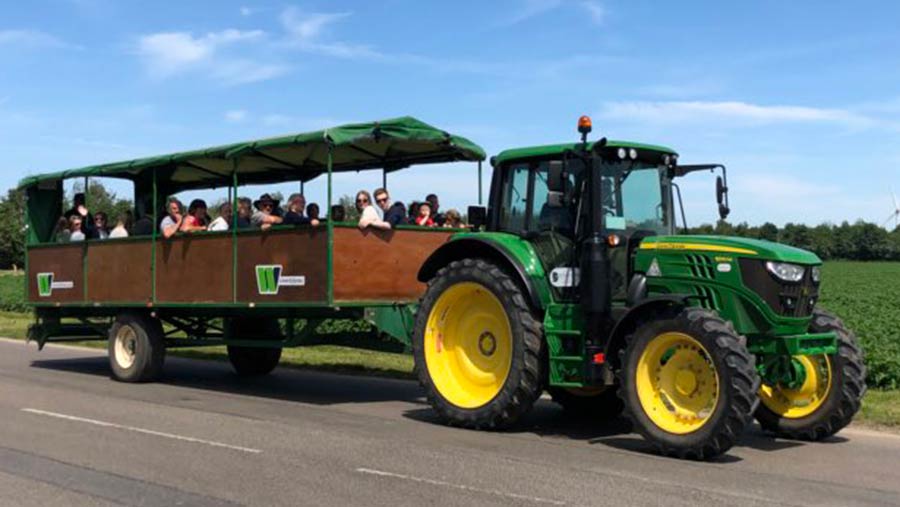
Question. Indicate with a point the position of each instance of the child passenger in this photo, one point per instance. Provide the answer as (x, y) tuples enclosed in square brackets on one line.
[(424, 218)]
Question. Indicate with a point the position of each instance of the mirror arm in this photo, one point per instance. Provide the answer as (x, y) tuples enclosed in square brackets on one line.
[(681, 207)]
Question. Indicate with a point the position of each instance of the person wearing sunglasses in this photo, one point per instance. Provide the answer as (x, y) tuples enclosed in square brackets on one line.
[(369, 215), (265, 217), (394, 214)]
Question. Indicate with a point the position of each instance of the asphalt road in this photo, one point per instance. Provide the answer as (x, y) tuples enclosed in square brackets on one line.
[(71, 436)]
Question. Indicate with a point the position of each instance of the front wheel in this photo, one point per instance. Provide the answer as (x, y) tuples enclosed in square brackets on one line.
[(828, 391), (688, 383), (477, 346)]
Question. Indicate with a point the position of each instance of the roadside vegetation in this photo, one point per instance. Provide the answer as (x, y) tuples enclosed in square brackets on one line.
[(865, 294)]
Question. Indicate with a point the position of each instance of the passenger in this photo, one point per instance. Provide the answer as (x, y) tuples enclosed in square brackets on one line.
[(75, 228), (62, 234), (100, 222), (394, 214), (312, 211), (453, 219), (368, 214), (197, 218), (264, 217), (223, 221), (143, 227), (436, 215), (123, 225), (245, 212), (87, 221), (413, 212), (424, 218), (338, 213), (295, 209), (173, 220)]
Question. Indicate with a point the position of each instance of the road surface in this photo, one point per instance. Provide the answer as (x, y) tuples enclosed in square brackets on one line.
[(202, 437)]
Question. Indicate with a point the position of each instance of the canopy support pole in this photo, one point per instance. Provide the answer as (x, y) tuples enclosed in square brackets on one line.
[(330, 224), (301, 187), (479, 183), (383, 179), (153, 238), (234, 228)]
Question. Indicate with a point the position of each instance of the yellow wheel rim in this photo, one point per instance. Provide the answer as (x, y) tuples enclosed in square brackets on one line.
[(677, 383), (468, 345), (806, 399)]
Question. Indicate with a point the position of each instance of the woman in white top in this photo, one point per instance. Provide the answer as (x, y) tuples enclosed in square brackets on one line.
[(223, 222), (123, 224), (75, 228)]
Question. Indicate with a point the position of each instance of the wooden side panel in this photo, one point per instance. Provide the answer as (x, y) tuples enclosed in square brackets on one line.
[(301, 257), (63, 272), (381, 265), (119, 271), (194, 269)]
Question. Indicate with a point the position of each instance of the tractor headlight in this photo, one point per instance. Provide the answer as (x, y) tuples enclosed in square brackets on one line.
[(622, 153), (816, 274), (786, 272)]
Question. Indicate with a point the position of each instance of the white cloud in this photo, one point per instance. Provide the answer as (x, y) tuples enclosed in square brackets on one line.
[(530, 9), (595, 11), (247, 11), (33, 39), (729, 111), (303, 27), (235, 115)]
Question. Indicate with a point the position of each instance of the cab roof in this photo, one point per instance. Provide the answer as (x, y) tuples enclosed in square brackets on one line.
[(550, 150), (390, 144)]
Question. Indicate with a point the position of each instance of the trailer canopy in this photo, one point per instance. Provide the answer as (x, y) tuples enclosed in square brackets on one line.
[(389, 145)]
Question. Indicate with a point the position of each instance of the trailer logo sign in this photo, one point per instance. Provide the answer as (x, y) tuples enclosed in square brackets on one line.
[(46, 285), (270, 278)]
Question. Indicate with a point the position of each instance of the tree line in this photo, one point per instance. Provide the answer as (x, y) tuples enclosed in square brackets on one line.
[(861, 240)]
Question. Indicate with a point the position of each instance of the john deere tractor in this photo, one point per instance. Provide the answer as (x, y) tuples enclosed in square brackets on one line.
[(579, 284)]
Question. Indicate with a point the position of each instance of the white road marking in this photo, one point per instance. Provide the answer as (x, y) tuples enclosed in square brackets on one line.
[(140, 430), (433, 482)]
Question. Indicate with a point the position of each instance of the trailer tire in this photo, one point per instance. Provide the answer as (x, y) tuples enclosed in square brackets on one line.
[(136, 348), (254, 361), (477, 346), (815, 411)]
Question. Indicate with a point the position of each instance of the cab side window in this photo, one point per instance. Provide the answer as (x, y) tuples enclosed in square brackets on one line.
[(515, 199)]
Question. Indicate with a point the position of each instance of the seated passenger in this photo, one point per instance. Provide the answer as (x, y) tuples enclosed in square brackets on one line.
[(61, 233), (196, 219), (87, 221), (264, 217), (369, 215), (223, 221), (312, 211), (100, 225), (436, 215), (173, 220), (245, 212), (413, 212), (142, 227), (295, 209), (424, 217), (394, 214), (453, 220), (123, 224), (75, 228)]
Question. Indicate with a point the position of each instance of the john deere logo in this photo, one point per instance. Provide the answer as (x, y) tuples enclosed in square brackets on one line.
[(46, 285), (270, 278)]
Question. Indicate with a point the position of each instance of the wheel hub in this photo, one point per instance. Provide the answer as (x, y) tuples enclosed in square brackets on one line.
[(686, 382), (487, 343), (125, 347)]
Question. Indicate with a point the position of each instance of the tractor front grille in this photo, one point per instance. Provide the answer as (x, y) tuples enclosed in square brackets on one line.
[(786, 299)]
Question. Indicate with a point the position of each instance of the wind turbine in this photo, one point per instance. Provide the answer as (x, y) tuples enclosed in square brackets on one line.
[(895, 216)]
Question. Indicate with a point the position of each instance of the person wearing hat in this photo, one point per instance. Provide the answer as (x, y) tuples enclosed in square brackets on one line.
[(264, 217)]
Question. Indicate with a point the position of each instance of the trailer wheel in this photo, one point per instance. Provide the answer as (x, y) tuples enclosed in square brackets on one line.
[(136, 348), (254, 361), (600, 403), (477, 346), (831, 392), (688, 383)]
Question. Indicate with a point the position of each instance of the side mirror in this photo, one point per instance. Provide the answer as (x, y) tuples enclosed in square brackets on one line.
[(557, 177), (721, 198), (477, 216)]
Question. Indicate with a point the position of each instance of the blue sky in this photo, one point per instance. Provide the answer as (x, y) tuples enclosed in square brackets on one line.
[(799, 99)]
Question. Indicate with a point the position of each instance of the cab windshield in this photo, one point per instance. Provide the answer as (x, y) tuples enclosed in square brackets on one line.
[(633, 197)]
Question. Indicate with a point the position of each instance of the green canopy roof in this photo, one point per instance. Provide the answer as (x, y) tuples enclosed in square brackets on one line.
[(389, 144)]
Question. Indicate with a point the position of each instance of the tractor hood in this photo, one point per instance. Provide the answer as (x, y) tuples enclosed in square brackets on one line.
[(741, 247)]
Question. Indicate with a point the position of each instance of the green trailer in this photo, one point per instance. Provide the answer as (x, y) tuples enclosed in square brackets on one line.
[(573, 280)]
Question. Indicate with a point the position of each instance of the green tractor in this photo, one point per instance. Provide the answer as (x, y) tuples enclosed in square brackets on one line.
[(580, 285)]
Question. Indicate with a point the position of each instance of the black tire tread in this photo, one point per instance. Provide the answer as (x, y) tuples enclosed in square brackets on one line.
[(254, 361)]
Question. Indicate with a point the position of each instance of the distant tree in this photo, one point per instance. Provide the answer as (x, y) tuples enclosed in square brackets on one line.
[(12, 229), (768, 231), (349, 204), (871, 241), (99, 198)]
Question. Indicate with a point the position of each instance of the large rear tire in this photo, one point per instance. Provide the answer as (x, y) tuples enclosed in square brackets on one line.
[(830, 395), (136, 348), (477, 346), (688, 383), (600, 403), (254, 361)]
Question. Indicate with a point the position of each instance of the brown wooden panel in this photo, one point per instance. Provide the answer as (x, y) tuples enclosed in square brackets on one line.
[(299, 253), (119, 271), (194, 269), (65, 263), (375, 265)]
